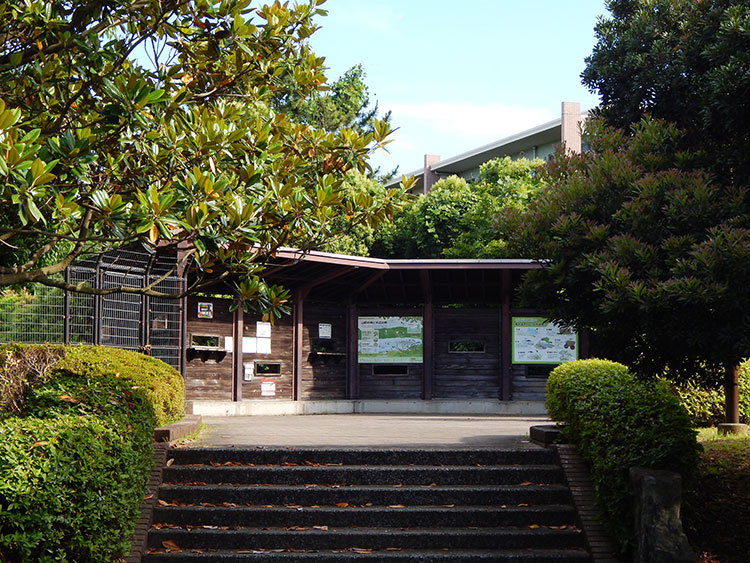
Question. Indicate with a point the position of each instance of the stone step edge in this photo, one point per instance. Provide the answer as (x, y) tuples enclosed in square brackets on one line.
[(600, 544), (145, 518), (185, 456), (188, 424), (570, 554)]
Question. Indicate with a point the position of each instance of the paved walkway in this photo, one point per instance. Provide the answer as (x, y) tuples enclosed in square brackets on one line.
[(369, 431)]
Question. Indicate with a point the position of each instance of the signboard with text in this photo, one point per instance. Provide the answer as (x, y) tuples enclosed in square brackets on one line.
[(536, 340), (389, 340)]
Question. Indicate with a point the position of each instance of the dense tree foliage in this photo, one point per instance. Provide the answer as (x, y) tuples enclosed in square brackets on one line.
[(355, 238), (456, 219), (346, 103), (688, 63), (100, 149), (643, 249), (683, 61)]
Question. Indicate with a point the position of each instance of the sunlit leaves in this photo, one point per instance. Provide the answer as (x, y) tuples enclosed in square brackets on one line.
[(183, 149)]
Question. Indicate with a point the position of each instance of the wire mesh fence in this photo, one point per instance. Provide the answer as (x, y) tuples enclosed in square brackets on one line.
[(123, 320)]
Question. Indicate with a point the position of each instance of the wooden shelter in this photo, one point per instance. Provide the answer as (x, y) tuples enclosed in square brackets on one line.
[(370, 329)]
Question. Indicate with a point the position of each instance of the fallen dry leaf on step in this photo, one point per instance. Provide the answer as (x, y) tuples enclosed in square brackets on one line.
[(171, 547)]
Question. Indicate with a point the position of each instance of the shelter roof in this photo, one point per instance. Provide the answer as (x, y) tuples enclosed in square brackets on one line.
[(339, 278)]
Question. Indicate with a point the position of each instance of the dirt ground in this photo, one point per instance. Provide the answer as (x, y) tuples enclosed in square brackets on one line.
[(716, 514)]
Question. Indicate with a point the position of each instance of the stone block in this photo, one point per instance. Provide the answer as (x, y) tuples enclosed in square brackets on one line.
[(658, 528)]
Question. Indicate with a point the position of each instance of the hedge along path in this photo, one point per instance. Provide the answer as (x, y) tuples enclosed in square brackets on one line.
[(75, 459), (618, 421)]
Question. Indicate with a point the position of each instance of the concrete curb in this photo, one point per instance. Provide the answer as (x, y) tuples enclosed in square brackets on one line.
[(189, 424), (600, 544), (276, 407), (162, 436), (138, 540)]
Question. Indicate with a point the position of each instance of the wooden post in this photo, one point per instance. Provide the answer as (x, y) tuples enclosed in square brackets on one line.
[(352, 364), (238, 368), (732, 394), (505, 339), (299, 326), (732, 403), (66, 308), (428, 349)]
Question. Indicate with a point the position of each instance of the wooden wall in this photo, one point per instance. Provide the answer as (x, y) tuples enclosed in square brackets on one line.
[(373, 386), (467, 375), (323, 373), (282, 352), (409, 386), (324, 360), (209, 375)]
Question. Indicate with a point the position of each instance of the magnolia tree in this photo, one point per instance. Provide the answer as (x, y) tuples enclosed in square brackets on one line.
[(152, 123)]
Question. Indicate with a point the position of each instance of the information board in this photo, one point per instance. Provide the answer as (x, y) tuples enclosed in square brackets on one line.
[(538, 341), (389, 340)]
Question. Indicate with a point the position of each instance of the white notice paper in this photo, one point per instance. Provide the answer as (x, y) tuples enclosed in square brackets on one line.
[(263, 346), (263, 330), (249, 345)]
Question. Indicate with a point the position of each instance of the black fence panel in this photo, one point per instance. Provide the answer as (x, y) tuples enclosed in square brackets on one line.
[(122, 320)]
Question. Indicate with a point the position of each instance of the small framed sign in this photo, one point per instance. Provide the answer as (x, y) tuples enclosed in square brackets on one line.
[(324, 330), (268, 388), (205, 310)]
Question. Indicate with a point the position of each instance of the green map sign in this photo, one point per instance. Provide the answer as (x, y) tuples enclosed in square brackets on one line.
[(389, 340), (538, 341)]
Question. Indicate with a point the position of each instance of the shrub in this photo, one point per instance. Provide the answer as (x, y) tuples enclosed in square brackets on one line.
[(74, 461), (705, 405), (70, 488), (21, 367), (618, 421), (161, 383)]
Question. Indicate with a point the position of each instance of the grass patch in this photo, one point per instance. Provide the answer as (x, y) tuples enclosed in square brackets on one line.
[(716, 513)]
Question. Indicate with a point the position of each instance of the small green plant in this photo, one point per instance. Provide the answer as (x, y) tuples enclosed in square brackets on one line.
[(618, 421)]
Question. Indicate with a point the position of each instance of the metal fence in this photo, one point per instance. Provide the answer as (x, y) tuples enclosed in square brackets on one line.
[(122, 320)]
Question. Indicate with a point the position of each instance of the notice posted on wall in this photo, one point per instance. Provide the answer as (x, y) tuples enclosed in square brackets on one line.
[(536, 340), (268, 388), (389, 340)]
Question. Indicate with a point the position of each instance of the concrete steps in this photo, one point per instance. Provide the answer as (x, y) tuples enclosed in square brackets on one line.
[(371, 505)]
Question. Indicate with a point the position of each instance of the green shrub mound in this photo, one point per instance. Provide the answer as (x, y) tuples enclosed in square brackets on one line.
[(75, 448), (618, 421), (705, 405)]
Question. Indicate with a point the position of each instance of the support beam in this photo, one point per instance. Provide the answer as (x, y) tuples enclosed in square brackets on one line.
[(352, 364), (238, 368), (66, 308), (298, 314), (505, 339), (428, 349)]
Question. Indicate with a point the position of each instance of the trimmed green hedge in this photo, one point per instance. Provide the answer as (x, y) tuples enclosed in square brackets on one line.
[(618, 421), (75, 459)]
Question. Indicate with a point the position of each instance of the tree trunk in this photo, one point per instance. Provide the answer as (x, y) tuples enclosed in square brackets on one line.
[(732, 395)]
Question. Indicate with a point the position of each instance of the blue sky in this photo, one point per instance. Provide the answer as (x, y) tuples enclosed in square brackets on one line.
[(460, 74)]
